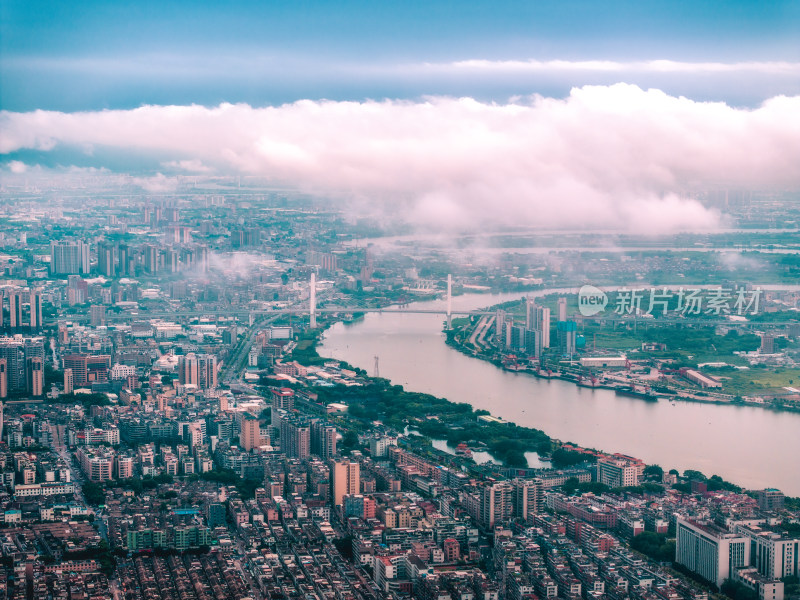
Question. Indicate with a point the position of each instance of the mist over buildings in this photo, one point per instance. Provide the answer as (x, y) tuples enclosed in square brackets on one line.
[(605, 156)]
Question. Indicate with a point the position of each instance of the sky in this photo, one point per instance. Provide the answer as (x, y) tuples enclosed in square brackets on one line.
[(458, 110)]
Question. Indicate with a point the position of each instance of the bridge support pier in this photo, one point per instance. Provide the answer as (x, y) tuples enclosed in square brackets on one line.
[(312, 301), (449, 301)]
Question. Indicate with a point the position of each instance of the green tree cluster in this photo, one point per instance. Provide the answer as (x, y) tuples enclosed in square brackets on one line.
[(655, 545)]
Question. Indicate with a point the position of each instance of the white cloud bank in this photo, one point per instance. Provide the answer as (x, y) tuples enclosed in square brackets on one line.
[(614, 156)]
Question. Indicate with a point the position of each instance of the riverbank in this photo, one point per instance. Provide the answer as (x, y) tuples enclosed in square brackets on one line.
[(440, 419), (626, 389), (649, 375), (683, 435)]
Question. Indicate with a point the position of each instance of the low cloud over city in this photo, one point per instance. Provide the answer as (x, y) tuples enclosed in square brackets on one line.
[(604, 156)]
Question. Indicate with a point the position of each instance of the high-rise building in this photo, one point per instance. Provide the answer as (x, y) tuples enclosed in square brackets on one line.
[(540, 321), (15, 309), (533, 342), (207, 371), (767, 343), (710, 551), (188, 369), (619, 471), (499, 325), (124, 260), (282, 400), (105, 259), (12, 351), (35, 376), (69, 384), (36, 309), (250, 433), (69, 258), (496, 503), (87, 368), (562, 309), (202, 259), (123, 466), (171, 260), (528, 497), (379, 445), (3, 378), (97, 315), (151, 256), (295, 438), (567, 337), (773, 550), (323, 440), (345, 479)]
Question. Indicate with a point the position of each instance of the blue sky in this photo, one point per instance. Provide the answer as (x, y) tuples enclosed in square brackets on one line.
[(87, 55), (541, 112)]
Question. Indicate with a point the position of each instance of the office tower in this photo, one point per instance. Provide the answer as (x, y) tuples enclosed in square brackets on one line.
[(105, 259), (250, 434), (36, 309), (562, 309), (323, 440), (345, 479), (188, 369), (15, 309), (496, 504), (710, 551), (35, 376), (295, 438), (97, 315), (3, 378), (68, 382)]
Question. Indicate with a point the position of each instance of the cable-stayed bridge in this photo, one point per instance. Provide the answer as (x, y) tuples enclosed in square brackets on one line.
[(311, 309)]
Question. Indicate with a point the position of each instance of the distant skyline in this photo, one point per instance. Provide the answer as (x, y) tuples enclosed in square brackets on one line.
[(571, 112)]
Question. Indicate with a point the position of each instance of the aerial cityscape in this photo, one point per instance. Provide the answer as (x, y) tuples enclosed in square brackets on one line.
[(352, 301)]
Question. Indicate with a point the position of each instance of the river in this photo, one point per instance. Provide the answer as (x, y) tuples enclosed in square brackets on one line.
[(750, 446)]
